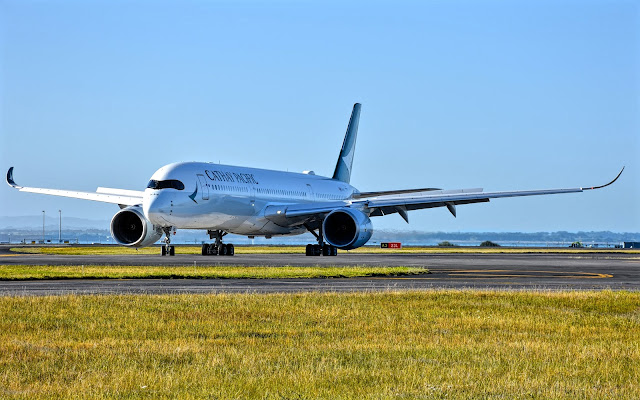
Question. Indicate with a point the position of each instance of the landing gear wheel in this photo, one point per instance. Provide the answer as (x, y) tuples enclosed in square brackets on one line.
[(326, 250), (217, 248), (313, 250), (329, 250), (322, 248), (167, 249)]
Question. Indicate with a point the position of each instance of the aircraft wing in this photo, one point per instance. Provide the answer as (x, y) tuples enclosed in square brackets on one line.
[(401, 203), (105, 195)]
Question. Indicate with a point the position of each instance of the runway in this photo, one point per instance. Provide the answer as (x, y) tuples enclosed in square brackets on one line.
[(587, 271)]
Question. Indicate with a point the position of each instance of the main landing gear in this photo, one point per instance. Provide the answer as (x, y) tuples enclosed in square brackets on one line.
[(321, 248), (167, 248), (218, 248), (324, 249)]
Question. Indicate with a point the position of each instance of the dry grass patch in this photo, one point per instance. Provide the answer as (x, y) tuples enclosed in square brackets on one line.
[(440, 344)]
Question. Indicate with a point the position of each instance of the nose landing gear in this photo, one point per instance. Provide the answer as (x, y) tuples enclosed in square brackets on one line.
[(218, 248), (167, 248)]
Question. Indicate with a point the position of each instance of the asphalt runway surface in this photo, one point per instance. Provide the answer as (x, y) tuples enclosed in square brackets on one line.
[(536, 271)]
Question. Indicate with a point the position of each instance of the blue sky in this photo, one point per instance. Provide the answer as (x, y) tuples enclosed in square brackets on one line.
[(455, 94)]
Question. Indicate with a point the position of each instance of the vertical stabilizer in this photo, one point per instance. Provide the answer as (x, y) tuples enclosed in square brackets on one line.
[(345, 160)]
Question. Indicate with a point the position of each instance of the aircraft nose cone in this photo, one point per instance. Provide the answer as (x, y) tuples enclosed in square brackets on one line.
[(155, 208)]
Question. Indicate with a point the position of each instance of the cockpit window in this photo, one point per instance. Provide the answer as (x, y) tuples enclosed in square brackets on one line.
[(168, 184)]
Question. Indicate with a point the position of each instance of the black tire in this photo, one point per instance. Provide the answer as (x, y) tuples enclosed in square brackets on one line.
[(334, 251), (205, 249), (163, 251), (222, 251), (172, 250), (317, 250), (231, 250), (326, 250), (309, 250), (213, 250)]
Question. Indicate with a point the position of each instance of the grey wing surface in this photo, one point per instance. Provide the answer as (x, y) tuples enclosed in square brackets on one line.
[(105, 195)]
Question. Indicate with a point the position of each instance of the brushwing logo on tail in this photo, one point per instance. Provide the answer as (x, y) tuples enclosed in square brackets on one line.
[(347, 159)]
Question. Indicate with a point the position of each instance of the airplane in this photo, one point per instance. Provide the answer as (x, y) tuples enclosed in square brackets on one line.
[(223, 199)]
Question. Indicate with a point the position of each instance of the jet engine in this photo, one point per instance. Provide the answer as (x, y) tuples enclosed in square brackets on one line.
[(129, 227), (347, 229)]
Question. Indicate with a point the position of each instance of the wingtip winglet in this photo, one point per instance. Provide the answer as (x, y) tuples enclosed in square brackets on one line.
[(10, 180), (605, 185)]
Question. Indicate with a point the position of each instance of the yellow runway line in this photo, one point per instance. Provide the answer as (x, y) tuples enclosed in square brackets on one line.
[(506, 273)]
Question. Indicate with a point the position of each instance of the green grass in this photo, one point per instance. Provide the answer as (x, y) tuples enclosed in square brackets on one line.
[(439, 344), (190, 249), (31, 272)]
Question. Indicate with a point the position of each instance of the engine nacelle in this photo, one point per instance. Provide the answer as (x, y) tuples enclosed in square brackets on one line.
[(129, 227), (347, 228)]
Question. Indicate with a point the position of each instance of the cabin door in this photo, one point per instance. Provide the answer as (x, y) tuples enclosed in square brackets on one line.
[(310, 194), (204, 189)]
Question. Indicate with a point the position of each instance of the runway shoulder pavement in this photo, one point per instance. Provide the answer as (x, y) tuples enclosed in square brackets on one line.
[(588, 271)]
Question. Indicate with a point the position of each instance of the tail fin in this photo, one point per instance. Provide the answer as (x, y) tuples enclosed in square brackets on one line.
[(345, 160)]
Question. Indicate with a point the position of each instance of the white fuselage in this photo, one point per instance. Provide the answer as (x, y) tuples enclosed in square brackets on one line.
[(233, 199)]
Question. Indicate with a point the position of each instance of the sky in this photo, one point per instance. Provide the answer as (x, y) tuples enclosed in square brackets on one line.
[(455, 94)]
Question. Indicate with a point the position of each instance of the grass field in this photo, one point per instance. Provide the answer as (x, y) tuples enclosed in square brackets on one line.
[(190, 249), (440, 344), (31, 272)]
